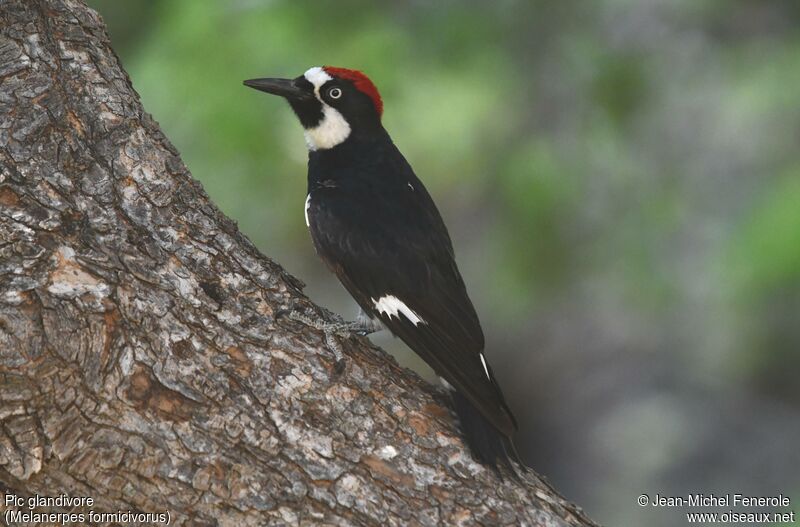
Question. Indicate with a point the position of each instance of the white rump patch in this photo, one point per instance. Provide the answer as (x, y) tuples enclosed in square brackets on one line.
[(331, 131), (485, 368), (392, 306), (308, 204), (446, 384)]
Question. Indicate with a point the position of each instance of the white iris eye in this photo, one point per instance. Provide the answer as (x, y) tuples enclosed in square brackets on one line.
[(334, 93)]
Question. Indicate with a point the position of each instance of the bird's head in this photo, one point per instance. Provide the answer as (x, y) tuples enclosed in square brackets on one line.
[(332, 104)]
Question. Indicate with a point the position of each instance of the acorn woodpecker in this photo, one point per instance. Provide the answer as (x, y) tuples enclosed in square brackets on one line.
[(376, 227)]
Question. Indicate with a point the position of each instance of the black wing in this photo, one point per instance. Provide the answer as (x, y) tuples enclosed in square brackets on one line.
[(389, 242)]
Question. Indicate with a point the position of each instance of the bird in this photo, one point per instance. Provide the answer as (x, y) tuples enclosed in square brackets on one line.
[(376, 227)]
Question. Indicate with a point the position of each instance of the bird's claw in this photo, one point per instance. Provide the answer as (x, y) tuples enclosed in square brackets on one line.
[(332, 330), (282, 312), (340, 328)]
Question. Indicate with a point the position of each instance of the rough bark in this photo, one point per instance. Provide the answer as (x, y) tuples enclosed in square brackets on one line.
[(141, 361)]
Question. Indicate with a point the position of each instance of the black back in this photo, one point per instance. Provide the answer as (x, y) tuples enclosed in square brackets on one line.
[(376, 227)]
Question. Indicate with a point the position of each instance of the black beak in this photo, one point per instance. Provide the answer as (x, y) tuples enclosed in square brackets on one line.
[(283, 87)]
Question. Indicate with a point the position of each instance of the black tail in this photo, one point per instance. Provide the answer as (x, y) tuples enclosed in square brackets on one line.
[(490, 446)]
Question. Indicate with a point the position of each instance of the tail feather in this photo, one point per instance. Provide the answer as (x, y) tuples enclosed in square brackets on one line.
[(490, 446)]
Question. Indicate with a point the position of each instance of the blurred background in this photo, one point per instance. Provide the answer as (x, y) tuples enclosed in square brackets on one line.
[(622, 184)]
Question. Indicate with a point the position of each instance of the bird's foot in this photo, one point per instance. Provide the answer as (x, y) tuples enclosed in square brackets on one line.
[(340, 328)]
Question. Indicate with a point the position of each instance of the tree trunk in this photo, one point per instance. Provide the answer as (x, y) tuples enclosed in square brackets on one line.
[(141, 360)]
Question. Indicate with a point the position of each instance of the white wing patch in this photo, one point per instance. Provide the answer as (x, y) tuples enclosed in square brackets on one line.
[(392, 306), (446, 384), (308, 205), (485, 368)]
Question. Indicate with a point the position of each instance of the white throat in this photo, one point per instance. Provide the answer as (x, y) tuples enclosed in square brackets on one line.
[(333, 129)]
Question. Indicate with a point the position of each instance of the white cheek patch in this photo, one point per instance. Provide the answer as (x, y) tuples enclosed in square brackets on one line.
[(392, 306), (308, 205), (331, 131)]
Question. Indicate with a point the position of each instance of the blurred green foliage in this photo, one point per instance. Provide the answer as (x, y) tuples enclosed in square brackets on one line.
[(621, 180), (768, 245)]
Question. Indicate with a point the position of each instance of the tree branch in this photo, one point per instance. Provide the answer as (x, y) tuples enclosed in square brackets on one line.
[(141, 361)]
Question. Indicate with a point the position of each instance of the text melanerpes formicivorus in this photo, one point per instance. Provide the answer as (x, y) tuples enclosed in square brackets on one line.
[(376, 227)]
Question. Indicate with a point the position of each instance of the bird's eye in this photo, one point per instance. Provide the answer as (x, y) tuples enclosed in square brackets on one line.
[(334, 93)]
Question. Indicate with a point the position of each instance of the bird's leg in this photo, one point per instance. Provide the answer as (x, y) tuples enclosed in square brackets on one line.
[(362, 326), (340, 328), (368, 324)]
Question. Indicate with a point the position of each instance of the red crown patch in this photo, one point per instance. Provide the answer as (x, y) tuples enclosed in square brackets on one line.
[(360, 81)]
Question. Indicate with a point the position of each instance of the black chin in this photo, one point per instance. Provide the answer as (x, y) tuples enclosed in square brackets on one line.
[(309, 111)]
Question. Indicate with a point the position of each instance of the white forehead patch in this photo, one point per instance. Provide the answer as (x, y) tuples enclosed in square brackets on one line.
[(317, 76), (333, 129)]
